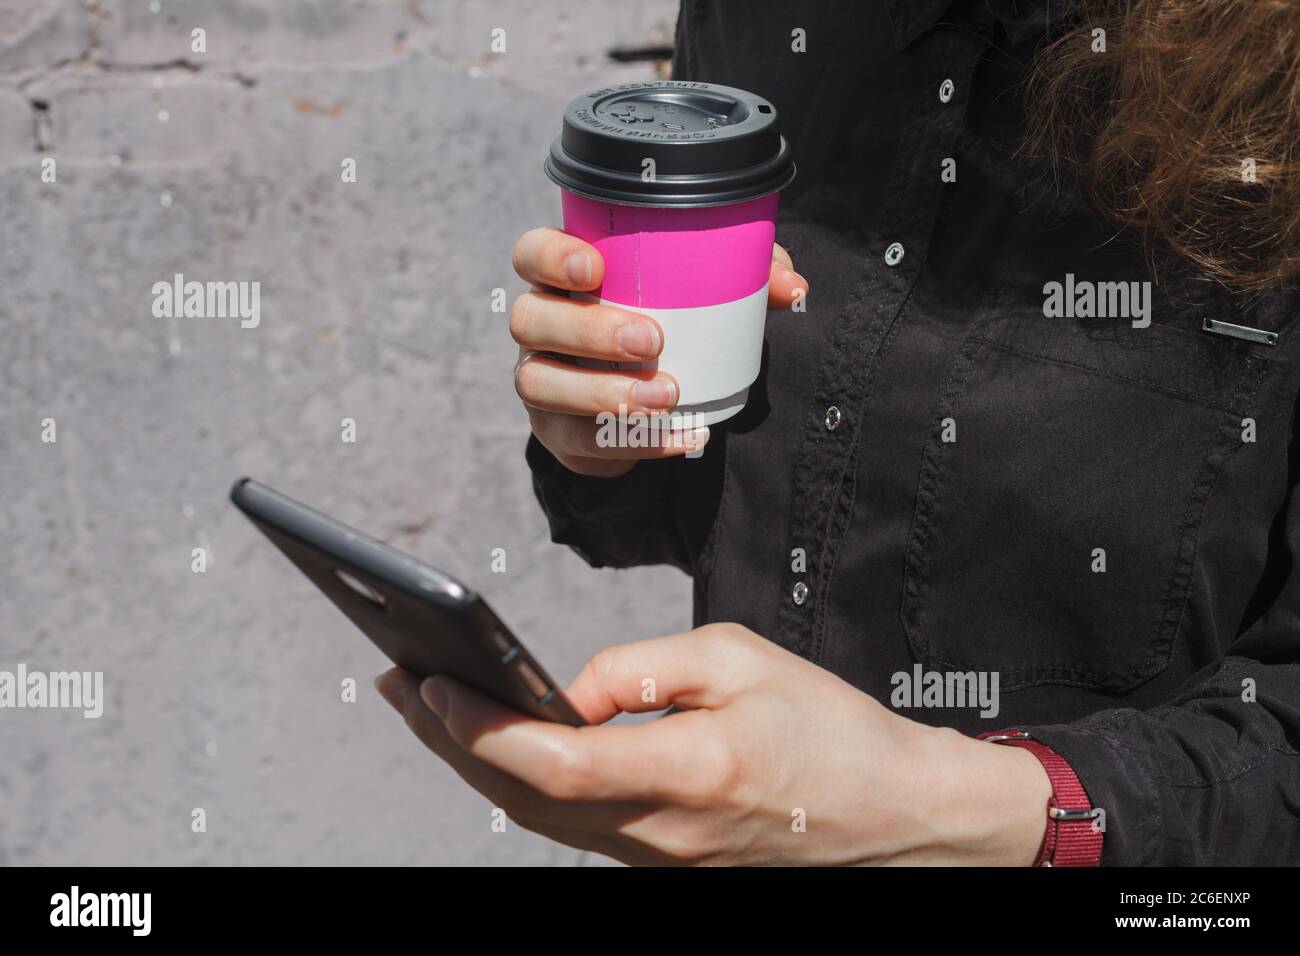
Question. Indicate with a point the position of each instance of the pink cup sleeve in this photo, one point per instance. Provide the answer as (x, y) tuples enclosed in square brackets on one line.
[(665, 258)]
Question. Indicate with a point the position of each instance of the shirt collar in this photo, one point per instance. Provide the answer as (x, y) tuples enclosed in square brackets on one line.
[(1021, 19)]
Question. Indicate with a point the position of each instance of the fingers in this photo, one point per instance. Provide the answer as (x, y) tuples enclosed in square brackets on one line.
[(402, 690), (604, 768), (784, 284), (698, 669), (780, 255), (601, 788), (572, 436), (523, 802), (550, 257), (555, 323), (554, 385)]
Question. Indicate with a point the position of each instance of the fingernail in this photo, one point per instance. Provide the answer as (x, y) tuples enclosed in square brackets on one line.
[(391, 690), (638, 338), (577, 267), (695, 440), (434, 694), (655, 393)]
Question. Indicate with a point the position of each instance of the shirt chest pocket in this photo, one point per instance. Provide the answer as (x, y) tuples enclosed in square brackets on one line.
[(1060, 497)]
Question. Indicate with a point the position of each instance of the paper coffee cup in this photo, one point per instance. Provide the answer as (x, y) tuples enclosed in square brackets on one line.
[(676, 185)]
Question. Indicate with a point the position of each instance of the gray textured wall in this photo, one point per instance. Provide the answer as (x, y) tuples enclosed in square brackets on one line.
[(223, 689)]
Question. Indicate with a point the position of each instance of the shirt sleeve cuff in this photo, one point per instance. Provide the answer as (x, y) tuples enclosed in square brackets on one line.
[(1117, 781), (564, 493)]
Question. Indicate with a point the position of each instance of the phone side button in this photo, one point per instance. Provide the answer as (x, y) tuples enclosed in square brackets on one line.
[(532, 679), (510, 655), (501, 643)]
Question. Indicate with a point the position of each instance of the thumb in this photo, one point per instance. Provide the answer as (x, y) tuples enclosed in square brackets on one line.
[(689, 670), (784, 284)]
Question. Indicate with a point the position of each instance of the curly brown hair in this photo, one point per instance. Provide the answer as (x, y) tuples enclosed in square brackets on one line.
[(1185, 129)]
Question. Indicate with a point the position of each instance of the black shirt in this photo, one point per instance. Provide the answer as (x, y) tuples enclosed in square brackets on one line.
[(1101, 513)]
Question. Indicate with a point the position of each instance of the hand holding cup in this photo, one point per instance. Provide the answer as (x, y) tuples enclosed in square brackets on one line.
[(563, 398)]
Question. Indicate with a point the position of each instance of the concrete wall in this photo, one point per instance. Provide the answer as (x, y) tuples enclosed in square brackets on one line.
[(223, 688)]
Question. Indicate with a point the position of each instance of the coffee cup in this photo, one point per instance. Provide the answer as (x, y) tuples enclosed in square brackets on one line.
[(676, 185)]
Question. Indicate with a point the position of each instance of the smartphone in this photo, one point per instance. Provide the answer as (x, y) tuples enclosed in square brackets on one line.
[(422, 619)]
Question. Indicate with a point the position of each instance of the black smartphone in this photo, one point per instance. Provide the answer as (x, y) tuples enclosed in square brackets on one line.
[(423, 620)]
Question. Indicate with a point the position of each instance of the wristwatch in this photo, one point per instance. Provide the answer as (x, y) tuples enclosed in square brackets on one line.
[(1074, 826)]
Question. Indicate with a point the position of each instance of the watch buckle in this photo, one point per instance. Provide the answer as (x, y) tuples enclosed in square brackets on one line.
[(998, 738), (1065, 815)]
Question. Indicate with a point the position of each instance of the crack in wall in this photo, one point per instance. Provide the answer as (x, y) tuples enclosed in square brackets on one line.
[(90, 62), (42, 120), (40, 124)]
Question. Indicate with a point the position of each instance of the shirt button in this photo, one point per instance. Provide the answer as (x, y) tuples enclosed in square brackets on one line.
[(894, 254), (832, 418), (800, 593), (945, 91)]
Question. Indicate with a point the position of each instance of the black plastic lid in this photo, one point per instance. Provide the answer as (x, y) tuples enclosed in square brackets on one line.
[(710, 145)]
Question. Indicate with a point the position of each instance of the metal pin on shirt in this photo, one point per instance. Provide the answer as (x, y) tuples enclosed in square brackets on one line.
[(1239, 332)]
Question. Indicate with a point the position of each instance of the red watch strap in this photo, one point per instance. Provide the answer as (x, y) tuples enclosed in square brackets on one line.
[(1073, 836)]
